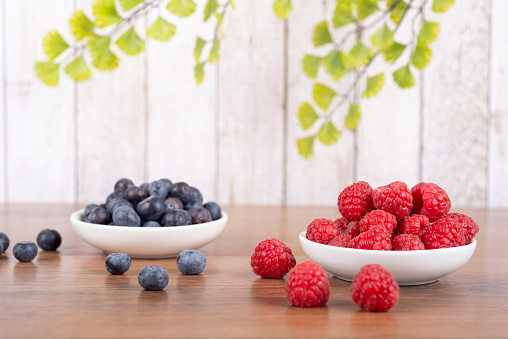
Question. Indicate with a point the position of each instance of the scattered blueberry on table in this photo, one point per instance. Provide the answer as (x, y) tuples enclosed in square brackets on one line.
[(4, 239), (117, 263), (25, 251), (191, 262), (153, 278), (1, 248), (49, 240)]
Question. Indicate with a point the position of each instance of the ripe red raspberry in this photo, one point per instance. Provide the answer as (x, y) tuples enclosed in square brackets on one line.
[(341, 240), (355, 201), (446, 232), (272, 259), (471, 228), (321, 230), (341, 224), (413, 224), (394, 198), (378, 218), (430, 200), (374, 239), (407, 242), (374, 289), (307, 285), (353, 228)]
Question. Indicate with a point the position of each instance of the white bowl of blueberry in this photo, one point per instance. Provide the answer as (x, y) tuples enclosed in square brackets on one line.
[(155, 220)]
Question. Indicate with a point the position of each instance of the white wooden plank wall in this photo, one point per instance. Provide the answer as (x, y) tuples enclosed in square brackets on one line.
[(234, 135)]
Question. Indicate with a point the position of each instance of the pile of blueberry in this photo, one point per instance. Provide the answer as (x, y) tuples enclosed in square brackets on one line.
[(155, 204)]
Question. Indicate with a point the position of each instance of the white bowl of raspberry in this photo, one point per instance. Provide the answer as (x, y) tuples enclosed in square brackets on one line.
[(408, 267)]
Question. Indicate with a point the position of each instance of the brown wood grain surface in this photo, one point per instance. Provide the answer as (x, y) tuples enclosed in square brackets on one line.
[(69, 294)]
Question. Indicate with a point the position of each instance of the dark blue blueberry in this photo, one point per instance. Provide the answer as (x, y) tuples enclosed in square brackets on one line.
[(126, 216), (193, 203), (181, 191), (123, 184), (176, 218), (168, 183), (200, 215), (173, 203), (4, 239), (191, 262), (117, 263), (153, 278), (117, 202), (25, 251), (88, 209), (98, 215), (152, 208), (115, 194), (145, 186), (214, 209), (49, 240), (151, 224), (158, 188), (196, 194), (135, 194), (1, 248)]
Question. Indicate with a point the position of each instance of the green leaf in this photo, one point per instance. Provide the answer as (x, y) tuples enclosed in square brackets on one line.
[(130, 42), (323, 96), (359, 55), (305, 146), (182, 7), (199, 72), (127, 5), (342, 17), (403, 77), (307, 115), (105, 13), (80, 25), (347, 4), (311, 65), (353, 116), (200, 43), (78, 70), (383, 38), (393, 52), (161, 30), (328, 134), (440, 6), (54, 44), (398, 9), (282, 8), (335, 65), (321, 34), (210, 8), (214, 52), (366, 8), (232, 3), (374, 85), (103, 59), (428, 33), (421, 56), (47, 72)]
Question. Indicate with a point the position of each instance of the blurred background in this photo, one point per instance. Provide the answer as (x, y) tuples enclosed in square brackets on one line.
[(233, 136)]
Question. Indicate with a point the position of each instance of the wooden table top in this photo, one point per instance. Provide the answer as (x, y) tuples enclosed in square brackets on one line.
[(69, 294)]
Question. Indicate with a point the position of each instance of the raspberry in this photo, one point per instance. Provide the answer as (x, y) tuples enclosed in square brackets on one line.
[(430, 200), (378, 218), (272, 259), (355, 201), (341, 224), (468, 224), (321, 230), (374, 239), (353, 228), (413, 224), (374, 289), (307, 285), (394, 198), (341, 240), (407, 242), (446, 232)]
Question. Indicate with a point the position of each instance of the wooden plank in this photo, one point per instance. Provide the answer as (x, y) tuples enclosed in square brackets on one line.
[(456, 104), (498, 129), (319, 179), (250, 151), (111, 124), (181, 123), (3, 110), (40, 119)]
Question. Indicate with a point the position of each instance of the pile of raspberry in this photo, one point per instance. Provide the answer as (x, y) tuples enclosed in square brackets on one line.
[(394, 218)]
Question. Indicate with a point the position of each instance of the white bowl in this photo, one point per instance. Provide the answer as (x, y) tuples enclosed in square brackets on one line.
[(407, 267), (147, 242)]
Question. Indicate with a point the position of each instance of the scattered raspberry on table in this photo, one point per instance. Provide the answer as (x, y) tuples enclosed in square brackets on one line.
[(272, 259), (374, 289), (307, 285)]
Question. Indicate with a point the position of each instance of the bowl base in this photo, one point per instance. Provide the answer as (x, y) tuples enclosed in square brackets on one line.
[(136, 256), (412, 283)]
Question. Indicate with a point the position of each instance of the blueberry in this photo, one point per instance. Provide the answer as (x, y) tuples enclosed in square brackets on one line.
[(153, 278), (176, 218), (181, 191), (25, 251), (123, 184), (168, 183), (117, 202), (49, 240), (193, 203), (126, 216), (4, 239), (196, 194), (135, 194), (158, 188), (98, 215), (151, 224), (152, 208), (115, 194), (1, 248), (191, 262), (200, 215), (214, 209), (117, 263), (173, 203), (145, 186), (88, 209)]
